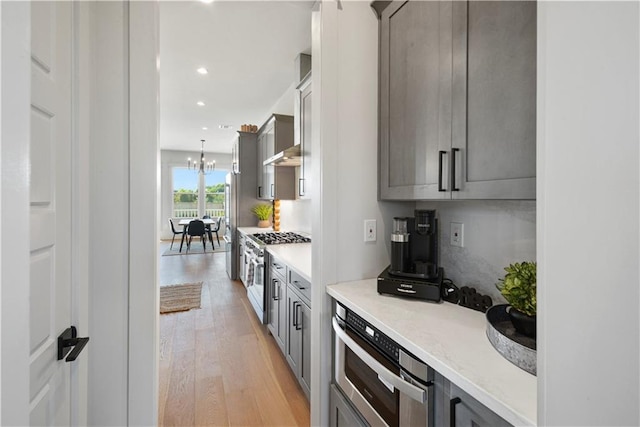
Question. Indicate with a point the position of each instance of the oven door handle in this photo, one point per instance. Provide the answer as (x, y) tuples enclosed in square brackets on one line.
[(406, 388)]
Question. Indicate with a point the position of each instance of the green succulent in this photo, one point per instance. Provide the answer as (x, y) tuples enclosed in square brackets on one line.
[(263, 212), (519, 287)]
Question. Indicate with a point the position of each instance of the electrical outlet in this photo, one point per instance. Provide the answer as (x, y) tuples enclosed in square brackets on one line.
[(369, 230), (457, 234)]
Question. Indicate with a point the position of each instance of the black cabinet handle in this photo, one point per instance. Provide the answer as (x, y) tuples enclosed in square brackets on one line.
[(259, 191), (295, 282), (69, 340), (298, 323), (452, 411), (440, 154), (295, 314), (453, 169), (272, 185)]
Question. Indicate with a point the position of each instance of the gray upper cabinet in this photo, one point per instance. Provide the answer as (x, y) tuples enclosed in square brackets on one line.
[(494, 100), (457, 100), (415, 84), (275, 136), (303, 135)]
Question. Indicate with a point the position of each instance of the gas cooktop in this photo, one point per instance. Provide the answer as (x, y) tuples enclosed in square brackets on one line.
[(280, 238)]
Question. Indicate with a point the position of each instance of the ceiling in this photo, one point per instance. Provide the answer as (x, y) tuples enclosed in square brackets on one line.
[(248, 47)]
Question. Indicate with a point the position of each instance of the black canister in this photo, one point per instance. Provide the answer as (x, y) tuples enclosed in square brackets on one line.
[(400, 249)]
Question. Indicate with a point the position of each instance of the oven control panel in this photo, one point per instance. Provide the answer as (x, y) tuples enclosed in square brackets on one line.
[(374, 336)]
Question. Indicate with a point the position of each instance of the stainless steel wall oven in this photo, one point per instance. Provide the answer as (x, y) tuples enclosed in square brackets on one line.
[(383, 381)]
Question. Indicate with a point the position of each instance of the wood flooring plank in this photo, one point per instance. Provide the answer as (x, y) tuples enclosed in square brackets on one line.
[(180, 406), (207, 362), (211, 407), (242, 409), (185, 332), (167, 328)]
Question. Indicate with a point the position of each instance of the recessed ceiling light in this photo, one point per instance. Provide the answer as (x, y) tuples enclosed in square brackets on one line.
[(206, 1), (200, 103), (205, 128), (202, 70), (225, 127)]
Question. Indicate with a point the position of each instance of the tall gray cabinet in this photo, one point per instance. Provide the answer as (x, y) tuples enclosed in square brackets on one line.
[(457, 100)]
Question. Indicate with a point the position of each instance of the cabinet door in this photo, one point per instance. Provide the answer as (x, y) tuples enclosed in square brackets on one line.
[(293, 331), (415, 100), (272, 305), (494, 99), (260, 193), (305, 349), (342, 413), (465, 411), (281, 337), (303, 136), (269, 171), (235, 166)]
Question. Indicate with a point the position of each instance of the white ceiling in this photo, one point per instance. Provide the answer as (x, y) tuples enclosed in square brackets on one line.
[(249, 48)]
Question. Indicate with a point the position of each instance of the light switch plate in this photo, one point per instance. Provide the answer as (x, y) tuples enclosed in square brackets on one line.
[(457, 234)]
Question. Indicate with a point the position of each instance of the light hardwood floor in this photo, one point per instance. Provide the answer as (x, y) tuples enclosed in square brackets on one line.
[(218, 365)]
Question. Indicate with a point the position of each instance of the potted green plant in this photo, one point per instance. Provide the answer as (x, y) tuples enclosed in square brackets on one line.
[(518, 287), (263, 212)]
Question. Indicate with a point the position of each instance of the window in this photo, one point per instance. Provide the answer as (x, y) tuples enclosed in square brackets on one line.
[(214, 189), (185, 193)]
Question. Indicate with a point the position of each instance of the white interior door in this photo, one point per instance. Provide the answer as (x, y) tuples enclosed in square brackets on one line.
[(50, 211)]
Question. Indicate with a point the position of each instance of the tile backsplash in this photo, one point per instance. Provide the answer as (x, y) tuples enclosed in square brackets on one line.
[(496, 234)]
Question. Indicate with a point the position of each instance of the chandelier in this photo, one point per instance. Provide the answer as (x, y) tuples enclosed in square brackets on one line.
[(202, 167)]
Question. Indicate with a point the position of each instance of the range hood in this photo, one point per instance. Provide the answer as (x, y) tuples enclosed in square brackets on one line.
[(289, 157)]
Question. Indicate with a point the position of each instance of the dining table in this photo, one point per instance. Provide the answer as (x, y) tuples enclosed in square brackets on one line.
[(185, 223)]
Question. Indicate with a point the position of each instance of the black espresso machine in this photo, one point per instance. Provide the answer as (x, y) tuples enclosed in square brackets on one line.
[(414, 270)]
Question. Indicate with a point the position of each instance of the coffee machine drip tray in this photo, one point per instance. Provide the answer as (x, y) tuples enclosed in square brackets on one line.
[(425, 289)]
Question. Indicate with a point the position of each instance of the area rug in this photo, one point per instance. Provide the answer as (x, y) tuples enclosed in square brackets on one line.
[(196, 248), (180, 297)]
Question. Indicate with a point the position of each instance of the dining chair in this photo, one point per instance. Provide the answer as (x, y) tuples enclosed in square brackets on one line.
[(173, 229), (207, 228), (196, 228), (215, 229)]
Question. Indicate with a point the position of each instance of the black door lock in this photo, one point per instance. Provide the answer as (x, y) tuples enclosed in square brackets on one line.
[(69, 340)]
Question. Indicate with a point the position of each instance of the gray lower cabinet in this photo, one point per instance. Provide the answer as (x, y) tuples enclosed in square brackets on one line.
[(342, 413), (457, 100), (463, 410), (277, 302), (298, 346)]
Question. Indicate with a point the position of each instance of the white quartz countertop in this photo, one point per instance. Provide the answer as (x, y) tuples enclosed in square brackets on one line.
[(296, 255), (453, 340)]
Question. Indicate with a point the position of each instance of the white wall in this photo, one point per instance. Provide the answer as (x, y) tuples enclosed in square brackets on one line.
[(14, 199), (174, 158), (144, 300), (588, 213), (109, 217), (496, 234), (345, 149)]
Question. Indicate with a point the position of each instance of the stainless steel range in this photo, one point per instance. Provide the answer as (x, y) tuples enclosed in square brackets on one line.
[(254, 271)]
